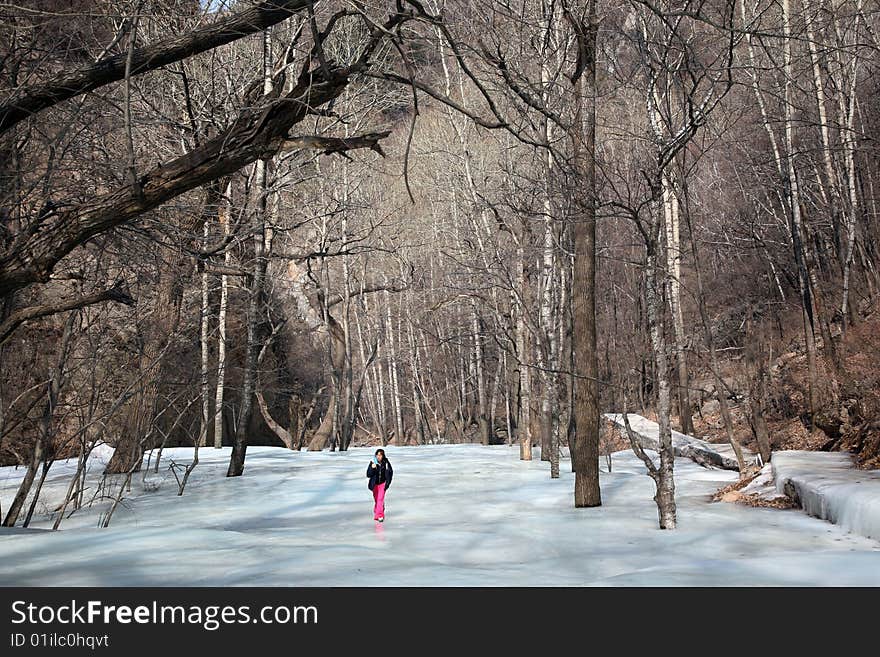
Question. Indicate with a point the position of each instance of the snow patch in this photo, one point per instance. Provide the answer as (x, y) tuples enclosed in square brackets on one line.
[(648, 432)]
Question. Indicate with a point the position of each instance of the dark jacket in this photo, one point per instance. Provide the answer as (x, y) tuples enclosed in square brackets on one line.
[(380, 472)]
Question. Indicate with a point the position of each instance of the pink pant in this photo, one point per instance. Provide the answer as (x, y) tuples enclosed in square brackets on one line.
[(379, 497)]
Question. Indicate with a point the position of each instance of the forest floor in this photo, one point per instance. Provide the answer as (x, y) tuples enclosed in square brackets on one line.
[(457, 515), (848, 417)]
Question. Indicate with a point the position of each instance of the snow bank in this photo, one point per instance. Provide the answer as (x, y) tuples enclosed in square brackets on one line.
[(828, 486), (648, 432)]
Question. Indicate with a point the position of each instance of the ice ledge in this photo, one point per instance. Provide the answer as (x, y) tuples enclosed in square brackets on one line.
[(828, 486)]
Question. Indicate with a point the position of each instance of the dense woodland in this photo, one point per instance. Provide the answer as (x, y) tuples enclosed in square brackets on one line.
[(338, 223)]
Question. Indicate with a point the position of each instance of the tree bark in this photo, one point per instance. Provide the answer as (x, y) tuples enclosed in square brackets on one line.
[(585, 451), (205, 354), (523, 424), (392, 376), (665, 494), (673, 251), (224, 219)]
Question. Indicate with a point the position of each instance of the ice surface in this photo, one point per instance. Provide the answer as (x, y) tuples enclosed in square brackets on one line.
[(830, 487), (456, 515)]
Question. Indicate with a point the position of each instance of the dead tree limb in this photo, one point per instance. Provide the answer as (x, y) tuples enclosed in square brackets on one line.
[(69, 84), (253, 135), (19, 317)]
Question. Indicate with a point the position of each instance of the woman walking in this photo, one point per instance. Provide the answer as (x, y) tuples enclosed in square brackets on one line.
[(379, 471)]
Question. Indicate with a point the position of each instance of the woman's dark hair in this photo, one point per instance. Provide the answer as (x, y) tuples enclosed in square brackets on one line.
[(380, 450)]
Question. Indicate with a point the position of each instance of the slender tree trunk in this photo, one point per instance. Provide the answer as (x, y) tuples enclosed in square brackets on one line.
[(523, 426), (424, 431), (370, 403), (255, 297), (673, 255), (287, 439), (47, 463), (508, 408), (852, 207), (480, 366), (224, 218), (392, 377), (380, 396), (549, 400), (206, 389), (757, 408), (665, 495)]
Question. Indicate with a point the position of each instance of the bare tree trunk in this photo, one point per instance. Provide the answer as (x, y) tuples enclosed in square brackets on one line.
[(416, 385), (304, 425), (523, 425), (224, 218), (549, 277), (203, 334), (852, 208), (75, 486), (493, 402), (392, 376), (47, 463), (549, 400), (371, 405), (665, 495), (283, 435), (380, 399), (585, 450), (508, 408), (294, 411), (239, 446), (480, 366), (337, 352), (757, 404), (673, 255), (346, 375)]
